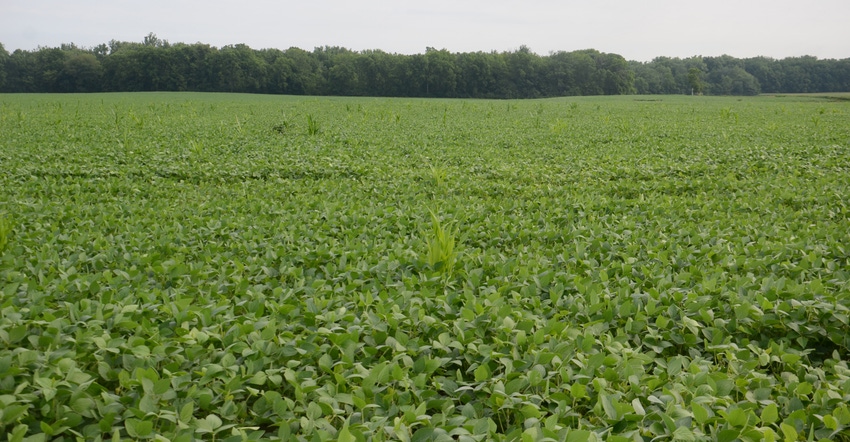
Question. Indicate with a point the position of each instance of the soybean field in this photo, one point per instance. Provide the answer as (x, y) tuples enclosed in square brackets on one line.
[(187, 266)]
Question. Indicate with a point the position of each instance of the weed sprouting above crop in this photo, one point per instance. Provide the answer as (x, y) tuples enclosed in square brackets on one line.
[(5, 232), (438, 175), (728, 114), (312, 125), (281, 128), (440, 243)]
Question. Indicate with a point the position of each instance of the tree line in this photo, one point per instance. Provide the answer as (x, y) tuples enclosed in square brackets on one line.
[(157, 65)]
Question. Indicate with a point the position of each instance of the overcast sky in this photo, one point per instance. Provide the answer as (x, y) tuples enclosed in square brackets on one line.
[(636, 29)]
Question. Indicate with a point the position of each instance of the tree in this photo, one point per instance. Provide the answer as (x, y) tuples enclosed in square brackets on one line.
[(125, 71), (278, 69), (666, 75), (239, 69), (4, 57), (342, 76), (841, 75), (307, 76), (695, 80), (152, 40), (616, 77), (766, 71), (155, 64), (732, 80), (411, 70), (558, 78), (525, 69), (583, 71), (440, 75), (475, 75), (651, 78), (377, 73), (49, 62), (100, 51), (81, 72), (20, 72)]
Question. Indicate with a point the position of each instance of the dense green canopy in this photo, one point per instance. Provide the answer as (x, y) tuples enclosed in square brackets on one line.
[(157, 65)]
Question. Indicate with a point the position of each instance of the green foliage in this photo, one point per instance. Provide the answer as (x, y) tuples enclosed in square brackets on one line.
[(312, 125), (439, 174), (155, 64), (623, 269), (5, 232), (440, 242), (695, 80)]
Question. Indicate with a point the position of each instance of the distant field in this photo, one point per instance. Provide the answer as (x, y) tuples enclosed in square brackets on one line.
[(238, 267), (817, 95)]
